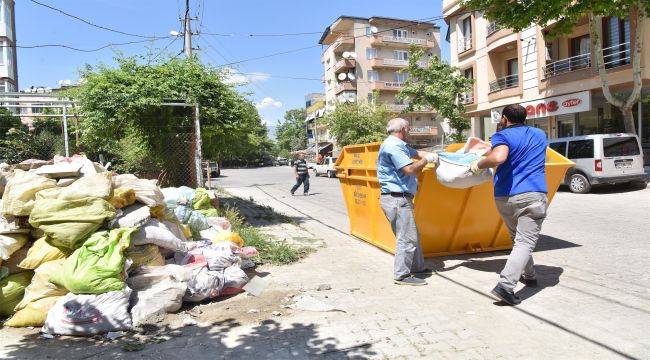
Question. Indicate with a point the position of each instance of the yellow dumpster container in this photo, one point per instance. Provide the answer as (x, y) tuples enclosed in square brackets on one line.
[(450, 221)]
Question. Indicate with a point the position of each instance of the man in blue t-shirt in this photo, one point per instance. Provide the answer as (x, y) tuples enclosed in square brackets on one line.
[(397, 174), (519, 153)]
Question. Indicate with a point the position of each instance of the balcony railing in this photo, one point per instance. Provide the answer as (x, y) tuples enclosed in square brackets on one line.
[(403, 107), (492, 28), (393, 85), (402, 63), (467, 98), (404, 40), (567, 65), (617, 55), (464, 44), (423, 130), (505, 82)]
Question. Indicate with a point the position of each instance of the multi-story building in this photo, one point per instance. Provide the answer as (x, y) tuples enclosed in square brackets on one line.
[(8, 63), (362, 62), (555, 79)]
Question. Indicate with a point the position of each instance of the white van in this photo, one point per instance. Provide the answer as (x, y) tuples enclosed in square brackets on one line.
[(601, 159)]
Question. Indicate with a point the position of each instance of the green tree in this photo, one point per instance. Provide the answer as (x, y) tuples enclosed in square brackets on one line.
[(291, 133), (7, 122), (124, 118), (352, 123), (518, 15), (20, 143), (437, 86)]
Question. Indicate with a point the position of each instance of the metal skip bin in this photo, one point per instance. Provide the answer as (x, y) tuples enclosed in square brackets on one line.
[(450, 221)]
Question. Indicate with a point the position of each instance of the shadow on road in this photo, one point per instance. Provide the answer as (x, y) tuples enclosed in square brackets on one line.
[(610, 189), (267, 340)]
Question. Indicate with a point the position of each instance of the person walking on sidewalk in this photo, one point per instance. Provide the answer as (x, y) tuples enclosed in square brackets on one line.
[(519, 153), (397, 174), (301, 171)]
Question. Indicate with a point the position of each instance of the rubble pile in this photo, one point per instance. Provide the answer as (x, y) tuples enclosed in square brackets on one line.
[(85, 251)]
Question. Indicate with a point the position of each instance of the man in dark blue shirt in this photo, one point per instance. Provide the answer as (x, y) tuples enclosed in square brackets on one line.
[(519, 153)]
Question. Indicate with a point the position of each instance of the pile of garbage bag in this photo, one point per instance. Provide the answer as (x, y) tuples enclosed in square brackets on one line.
[(85, 251)]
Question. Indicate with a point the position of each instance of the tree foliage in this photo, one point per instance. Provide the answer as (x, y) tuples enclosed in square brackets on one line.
[(19, 143), (353, 123), (291, 133), (437, 86), (124, 118)]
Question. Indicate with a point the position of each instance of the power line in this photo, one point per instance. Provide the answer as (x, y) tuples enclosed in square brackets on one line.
[(163, 50), (262, 35), (93, 24), (69, 47)]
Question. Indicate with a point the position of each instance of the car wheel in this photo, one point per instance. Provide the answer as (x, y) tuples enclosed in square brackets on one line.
[(330, 174), (579, 184), (639, 184)]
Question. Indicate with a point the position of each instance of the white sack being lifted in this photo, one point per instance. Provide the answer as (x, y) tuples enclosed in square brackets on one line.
[(454, 168)]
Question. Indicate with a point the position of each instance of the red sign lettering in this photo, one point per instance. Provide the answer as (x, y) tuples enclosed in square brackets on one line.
[(541, 109), (571, 102), (530, 110), (552, 106)]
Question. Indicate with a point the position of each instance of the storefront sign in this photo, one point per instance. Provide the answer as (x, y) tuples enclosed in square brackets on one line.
[(423, 130), (557, 105)]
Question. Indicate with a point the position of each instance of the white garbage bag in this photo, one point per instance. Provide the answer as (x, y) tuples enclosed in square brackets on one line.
[(20, 192), (90, 314), (454, 168), (204, 284), (157, 290), (162, 233), (146, 191)]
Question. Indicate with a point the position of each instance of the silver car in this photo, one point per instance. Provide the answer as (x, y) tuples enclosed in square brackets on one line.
[(601, 159)]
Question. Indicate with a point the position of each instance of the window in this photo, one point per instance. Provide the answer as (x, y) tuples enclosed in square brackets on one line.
[(371, 98), (400, 77), (560, 147), (466, 27), (621, 146), (373, 75), (3, 51), (400, 33), (616, 41), (469, 73), (581, 149), (580, 45), (368, 31), (512, 66), (400, 55), (371, 53), (549, 51)]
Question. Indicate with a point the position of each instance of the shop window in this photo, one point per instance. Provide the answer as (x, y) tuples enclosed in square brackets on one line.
[(581, 149)]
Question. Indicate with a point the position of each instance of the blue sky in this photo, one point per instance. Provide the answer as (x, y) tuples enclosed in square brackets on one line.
[(36, 25)]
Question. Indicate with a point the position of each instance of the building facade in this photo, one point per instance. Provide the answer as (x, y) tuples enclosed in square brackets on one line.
[(362, 62), (8, 63), (555, 79)]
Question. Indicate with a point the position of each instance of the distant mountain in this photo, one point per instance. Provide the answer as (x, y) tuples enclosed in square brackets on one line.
[(271, 131)]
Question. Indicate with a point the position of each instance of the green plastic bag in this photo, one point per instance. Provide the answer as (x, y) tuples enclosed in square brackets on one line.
[(12, 290), (67, 223), (201, 203), (98, 265)]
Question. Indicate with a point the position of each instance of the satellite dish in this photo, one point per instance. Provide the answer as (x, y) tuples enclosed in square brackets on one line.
[(351, 76), (346, 54), (353, 55), (373, 29), (342, 76)]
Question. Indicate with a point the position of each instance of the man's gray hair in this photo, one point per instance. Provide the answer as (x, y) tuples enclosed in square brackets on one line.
[(396, 125)]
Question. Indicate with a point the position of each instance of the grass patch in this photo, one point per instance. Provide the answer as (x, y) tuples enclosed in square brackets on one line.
[(271, 250)]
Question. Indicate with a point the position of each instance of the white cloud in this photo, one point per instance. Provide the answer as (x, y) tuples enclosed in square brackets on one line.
[(268, 102), (234, 77)]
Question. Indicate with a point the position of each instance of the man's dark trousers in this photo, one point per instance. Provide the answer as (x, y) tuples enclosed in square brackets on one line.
[(302, 179)]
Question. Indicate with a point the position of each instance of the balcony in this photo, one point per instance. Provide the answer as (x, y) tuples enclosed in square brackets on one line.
[(567, 65), (492, 28), (344, 65), (617, 55), (464, 44), (345, 86), (386, 85), (467, 98), (401, 41), (402, 107), (343, 44), (394, 63), (506, 82)]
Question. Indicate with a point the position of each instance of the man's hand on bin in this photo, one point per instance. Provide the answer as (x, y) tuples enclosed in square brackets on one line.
[(473, 167), (432, 158)]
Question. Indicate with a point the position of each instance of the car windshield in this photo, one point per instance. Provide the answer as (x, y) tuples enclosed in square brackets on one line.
[(621, 146)]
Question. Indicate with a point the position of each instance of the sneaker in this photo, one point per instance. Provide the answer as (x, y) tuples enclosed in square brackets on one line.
[(410, 280), (532, 282), (506, 296), (306, 194)]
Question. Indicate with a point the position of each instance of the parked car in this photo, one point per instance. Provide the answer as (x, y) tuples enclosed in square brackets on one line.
[(326, 167), (282, 161), (215, 169), (267, 161), (601, 159)]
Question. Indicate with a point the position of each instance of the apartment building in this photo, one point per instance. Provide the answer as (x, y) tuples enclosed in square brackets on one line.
[(362, 62), (8, 63), (555, 79), (317, 134)]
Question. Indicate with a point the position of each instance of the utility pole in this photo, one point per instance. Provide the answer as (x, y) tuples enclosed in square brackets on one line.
[(187, 46)]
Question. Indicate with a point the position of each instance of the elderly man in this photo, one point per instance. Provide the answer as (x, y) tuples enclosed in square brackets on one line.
[(301, 172), (519, 153), (397, 173)]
